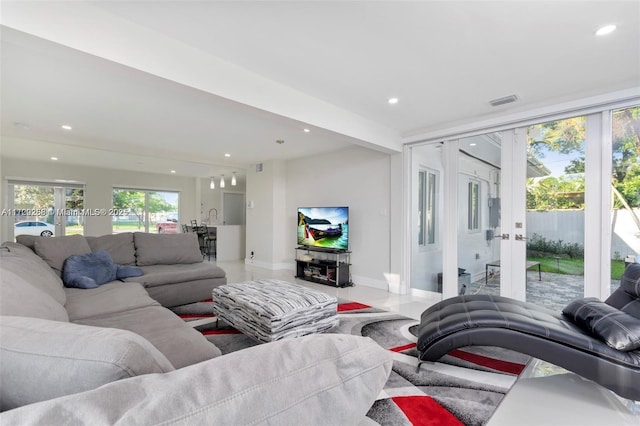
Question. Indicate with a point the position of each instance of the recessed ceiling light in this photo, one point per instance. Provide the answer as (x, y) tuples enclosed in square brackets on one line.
[(227, 155), (393, 101), (307, 130), (66, 127), (54, 158), (473, 144), (607, 29), (173, 171)]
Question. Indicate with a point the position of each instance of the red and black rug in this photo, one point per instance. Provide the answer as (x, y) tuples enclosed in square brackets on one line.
[(463, 388)]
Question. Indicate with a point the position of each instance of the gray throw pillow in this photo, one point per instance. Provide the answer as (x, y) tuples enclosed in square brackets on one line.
[(166, 249), (44, 359), (120, 247), (55, 250), (617, 329)]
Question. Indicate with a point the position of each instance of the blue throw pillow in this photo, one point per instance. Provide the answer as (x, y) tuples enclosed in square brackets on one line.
[(126, 271), (94, 269)]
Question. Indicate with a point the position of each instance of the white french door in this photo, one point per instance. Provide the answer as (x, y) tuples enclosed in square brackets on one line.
[(513, 237), (521, 212)]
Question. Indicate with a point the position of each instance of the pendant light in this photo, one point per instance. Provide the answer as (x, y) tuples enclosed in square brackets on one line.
[(222, 181), (212, 185), (233, 179)]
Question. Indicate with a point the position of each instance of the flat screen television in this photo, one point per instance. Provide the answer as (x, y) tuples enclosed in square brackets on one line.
[(324, 227)]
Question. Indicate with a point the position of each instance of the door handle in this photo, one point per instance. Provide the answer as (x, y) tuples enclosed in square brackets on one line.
[(519, 237), (502, 236)]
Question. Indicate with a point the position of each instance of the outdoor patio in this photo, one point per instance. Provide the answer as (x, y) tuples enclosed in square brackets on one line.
[(555, 291)]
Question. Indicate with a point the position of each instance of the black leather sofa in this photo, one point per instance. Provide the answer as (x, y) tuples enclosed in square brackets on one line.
[(597, 340)]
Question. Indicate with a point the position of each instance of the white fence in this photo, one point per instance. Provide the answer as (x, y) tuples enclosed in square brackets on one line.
[(568, 226)]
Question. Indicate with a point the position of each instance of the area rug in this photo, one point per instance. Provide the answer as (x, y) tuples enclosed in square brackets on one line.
[(463, 388)]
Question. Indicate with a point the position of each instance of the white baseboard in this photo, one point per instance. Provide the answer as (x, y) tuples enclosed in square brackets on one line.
[(425, 293), (370, 282), (270, 266)]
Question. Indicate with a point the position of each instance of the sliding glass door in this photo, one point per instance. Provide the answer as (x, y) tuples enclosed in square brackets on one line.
[(528, 212), (479, 222), (145, 211), (556, 212), (46, 209), (625, 209), (428, 215)]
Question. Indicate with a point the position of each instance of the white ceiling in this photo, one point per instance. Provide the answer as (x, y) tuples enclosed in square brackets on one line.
[(177, 84)]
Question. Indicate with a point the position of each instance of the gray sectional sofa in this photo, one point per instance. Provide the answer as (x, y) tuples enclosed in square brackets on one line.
[(114, 354), (174, 271)]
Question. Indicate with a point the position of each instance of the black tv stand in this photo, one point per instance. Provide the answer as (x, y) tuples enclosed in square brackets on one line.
[(322, 266)]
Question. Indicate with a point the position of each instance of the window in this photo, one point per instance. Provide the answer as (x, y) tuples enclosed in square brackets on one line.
[(474, 206), (145, 211), (43, 207), (427, 191)]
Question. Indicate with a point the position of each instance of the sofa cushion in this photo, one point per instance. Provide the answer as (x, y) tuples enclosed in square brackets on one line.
[(617, 329), (111, 298), (28, 241), (166, 249), (120, 247), (55, 250), (177, 340), (313, 380), (94, 269), (24, 262), (20, 298), (630, 281), (47, 359), (156, 275)]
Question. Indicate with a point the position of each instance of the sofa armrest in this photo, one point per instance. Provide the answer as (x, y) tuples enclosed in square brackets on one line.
[(313, 380)]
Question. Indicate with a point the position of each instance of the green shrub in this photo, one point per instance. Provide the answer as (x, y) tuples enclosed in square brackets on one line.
[(540, 244)]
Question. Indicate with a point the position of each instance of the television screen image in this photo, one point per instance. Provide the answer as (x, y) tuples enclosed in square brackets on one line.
[(324, 227)]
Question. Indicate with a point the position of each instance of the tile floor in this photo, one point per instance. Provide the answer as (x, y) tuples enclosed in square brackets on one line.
[(543, 395), (554, 291)]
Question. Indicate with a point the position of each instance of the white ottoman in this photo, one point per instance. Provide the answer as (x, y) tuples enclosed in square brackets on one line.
[(269, 310)]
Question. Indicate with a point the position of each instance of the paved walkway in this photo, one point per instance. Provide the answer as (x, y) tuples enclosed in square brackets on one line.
[(555, 291)]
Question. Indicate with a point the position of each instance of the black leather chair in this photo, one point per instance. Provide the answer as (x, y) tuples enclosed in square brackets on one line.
[(576, 339)]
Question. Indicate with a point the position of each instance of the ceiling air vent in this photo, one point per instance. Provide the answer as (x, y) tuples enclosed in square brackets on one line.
[(505, 100)]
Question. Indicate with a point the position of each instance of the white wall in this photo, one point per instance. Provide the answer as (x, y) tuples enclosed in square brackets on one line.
[(360, 179), (266, 193), (212, 198), (99, 185), (356, 177)]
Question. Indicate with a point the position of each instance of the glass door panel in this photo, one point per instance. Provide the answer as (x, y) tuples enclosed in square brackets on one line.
[(163, 212), (47, 210), (145, 211), (34, 210), (427, 207), (71, 220), (555, 218), (625, 213), (479, 199)]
